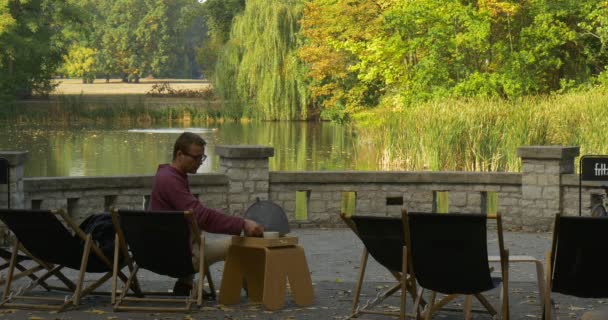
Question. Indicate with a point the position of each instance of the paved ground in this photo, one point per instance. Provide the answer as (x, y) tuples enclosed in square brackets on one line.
[(333, 257)]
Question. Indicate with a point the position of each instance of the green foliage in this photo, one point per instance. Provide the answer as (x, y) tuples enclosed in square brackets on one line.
[(30, 44), (257, 72), (336, 33), (359, 53), (80, 62), (156, 39), (483, 134), (218, 16)]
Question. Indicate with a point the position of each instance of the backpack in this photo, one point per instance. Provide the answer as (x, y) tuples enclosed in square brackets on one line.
[(101, 229)]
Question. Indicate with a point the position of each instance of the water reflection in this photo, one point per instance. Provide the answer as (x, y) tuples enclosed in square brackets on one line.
[(172, 130), (105, 150)]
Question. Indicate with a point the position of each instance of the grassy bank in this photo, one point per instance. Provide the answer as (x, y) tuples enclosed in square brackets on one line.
[(73, 101), (482, 134), (126, 108)]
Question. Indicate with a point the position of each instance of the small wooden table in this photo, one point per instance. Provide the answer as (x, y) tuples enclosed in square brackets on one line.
[(266, 264)]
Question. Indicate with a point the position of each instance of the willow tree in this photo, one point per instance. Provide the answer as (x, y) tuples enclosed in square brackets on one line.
[(257, 73)]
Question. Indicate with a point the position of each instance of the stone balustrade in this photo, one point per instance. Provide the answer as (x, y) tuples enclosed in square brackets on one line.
[(527, 200)]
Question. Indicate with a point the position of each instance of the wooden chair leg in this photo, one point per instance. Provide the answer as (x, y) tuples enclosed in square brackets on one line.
[(547, 298), (466, 308), (429, 307), (201, 271), (11, 271), (126, 287), (403, 282), (115, 270), (83, 268), (357, 293), (486, 304), (209, 280), (417, 306)]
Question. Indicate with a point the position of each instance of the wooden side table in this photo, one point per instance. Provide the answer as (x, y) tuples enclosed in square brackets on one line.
[(266, 265)]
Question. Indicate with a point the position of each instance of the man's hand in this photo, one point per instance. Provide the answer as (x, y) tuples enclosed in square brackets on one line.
[(253, 229)]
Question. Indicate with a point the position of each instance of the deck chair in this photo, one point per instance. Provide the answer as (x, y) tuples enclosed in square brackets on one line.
[(577, 263), (5, 255), (384, 239), (24, 271), (161, 242), (449, 255), (54, 241)]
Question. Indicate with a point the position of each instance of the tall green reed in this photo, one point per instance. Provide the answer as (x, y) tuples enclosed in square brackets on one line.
[(484, 134)]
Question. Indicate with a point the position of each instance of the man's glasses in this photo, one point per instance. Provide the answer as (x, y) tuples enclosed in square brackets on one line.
[(199, 159)]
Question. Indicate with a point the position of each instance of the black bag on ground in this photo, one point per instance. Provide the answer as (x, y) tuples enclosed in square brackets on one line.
[(101, 229)]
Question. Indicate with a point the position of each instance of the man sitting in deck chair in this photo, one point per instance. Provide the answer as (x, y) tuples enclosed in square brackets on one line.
[(171, 192)]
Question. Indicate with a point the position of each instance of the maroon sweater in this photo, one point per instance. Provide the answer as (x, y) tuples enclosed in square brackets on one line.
[(170, 191)]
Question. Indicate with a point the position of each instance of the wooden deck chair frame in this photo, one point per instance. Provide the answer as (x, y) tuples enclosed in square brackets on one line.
[(404, 284), (77, 289), (5, 254), (549, 311), (432, 307), (121, 247), (23, 271)]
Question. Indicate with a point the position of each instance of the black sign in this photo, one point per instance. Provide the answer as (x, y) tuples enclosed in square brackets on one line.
[(4, 171), (594, 168)]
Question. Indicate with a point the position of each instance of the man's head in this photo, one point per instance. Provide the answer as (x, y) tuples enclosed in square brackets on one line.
[(188, 152)]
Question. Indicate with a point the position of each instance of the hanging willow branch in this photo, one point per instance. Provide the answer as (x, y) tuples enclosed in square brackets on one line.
[(257, 71)]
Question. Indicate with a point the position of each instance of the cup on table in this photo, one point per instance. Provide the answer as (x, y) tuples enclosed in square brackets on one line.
[(271, 234)]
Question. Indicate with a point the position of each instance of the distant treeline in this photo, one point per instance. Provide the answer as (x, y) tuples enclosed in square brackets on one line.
[(88, 39), (308, 59)]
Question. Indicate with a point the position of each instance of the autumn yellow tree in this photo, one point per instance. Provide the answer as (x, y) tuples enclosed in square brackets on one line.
[(80, 62)]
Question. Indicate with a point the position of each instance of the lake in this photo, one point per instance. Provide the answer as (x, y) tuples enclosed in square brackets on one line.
[(105, 150)]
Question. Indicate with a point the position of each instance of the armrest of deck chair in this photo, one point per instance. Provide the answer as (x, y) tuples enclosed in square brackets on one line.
[(540, 277)]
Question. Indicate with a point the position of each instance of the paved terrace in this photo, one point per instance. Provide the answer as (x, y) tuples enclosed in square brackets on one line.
[(333, 257)]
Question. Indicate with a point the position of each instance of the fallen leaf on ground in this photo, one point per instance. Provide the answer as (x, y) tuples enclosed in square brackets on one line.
[(8, 311), (574, 308), (95, 311)]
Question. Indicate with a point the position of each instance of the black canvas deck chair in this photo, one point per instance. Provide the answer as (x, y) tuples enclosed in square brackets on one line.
[(449, 255), (54, 241), (577, 264), (5, 255), (384, 239), (161, 242)]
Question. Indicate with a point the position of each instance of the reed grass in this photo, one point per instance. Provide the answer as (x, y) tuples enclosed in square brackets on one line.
[(484, 134), (124, 108)]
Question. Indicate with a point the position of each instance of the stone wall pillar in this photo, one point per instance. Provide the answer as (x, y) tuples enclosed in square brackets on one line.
[(16, 160), (542, 169), (248, 174)]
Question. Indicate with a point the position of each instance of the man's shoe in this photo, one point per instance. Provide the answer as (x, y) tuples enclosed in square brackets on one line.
[(208, 296), (182, 289)]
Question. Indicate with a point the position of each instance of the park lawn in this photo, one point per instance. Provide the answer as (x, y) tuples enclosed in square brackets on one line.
[(117, 87)]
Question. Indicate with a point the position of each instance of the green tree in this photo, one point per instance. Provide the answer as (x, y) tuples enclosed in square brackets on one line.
[(218, 16), (31, 45), (364, 53), (152, 40), (336, 33), (258, 73), (80, 62)]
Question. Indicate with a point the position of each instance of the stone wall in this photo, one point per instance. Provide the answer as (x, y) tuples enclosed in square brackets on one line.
[(384, 193), (527, 200), (82, 196)]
